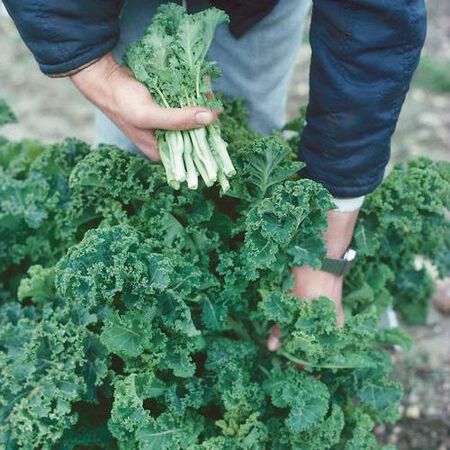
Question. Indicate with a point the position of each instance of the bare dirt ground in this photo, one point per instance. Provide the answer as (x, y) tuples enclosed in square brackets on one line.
[(51, 109), (425, 374)]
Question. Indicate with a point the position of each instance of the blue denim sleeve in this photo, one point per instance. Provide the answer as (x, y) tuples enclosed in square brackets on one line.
[(66, 34), (364, 53)]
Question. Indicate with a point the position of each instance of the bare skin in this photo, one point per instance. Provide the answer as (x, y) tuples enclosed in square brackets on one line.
[(310, 284), (127, 102)]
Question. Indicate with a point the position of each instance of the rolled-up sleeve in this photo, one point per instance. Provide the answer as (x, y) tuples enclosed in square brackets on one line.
[(364, 53), (64, 35)]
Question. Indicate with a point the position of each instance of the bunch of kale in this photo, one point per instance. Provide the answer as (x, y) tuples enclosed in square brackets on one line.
[(134, 316), (170, 59)]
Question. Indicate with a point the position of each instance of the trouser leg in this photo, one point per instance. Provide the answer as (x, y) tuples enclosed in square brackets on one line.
[(259, 65)]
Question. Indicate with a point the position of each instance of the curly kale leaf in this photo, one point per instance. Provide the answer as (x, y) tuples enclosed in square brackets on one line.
[(135, 293), (402, 220), (263, 164), (133, 425), (111, 172), (42, 376), (17, 157), (287, 223), (306, 398), (34, 205), (234, 124), (143, 320)]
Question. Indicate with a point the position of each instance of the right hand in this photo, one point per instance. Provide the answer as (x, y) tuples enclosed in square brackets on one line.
[(310, 284), (128, 103)]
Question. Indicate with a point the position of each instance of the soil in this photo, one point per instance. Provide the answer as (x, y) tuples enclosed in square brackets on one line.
[(51, 109), (425, 374)]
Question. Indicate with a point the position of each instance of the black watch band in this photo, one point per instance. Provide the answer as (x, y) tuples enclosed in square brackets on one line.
[(340, 266)]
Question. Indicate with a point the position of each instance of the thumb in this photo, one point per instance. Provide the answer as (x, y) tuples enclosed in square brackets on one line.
[(180, 118)]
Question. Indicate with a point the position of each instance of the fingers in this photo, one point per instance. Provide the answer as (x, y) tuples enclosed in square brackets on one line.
[(156, 117), (153, 116), (145, 140), (139, 127), (274, 341), (179, 118)]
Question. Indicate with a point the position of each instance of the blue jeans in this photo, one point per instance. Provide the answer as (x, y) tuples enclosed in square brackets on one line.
[(258, 66)]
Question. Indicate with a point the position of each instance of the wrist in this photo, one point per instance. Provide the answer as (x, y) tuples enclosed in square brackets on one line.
[(340, 232), (93, 81)]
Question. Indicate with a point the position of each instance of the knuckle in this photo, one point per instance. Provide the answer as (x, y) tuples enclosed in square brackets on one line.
[(179, 121), (141, 119)]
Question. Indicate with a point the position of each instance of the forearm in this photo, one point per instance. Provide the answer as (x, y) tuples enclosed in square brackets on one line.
[(340, 232)]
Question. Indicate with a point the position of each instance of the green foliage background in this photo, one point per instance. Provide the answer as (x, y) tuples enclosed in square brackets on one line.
[(134, 316)]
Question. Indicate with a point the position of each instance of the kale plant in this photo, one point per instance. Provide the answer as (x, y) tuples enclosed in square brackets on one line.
[(134, 316)]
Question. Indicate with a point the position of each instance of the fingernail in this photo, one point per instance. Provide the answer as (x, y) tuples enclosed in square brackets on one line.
[(204, 118), (273, 344)]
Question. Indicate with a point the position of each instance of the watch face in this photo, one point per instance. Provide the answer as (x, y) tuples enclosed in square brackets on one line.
[(350, 255)]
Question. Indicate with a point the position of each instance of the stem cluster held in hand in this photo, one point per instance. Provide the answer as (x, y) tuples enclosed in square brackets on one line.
[(170, 59)]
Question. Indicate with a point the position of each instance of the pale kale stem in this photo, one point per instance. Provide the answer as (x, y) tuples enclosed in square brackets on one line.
[(221, 177), (264, 370), (223, 181), (201, 170), (220, 148), (165, 159), (203, 152), (174, 185), (197, 83), (316, 366), (191, 171), (204, 145), (293, 358), (171, 151), (188, 100), (175, 142)]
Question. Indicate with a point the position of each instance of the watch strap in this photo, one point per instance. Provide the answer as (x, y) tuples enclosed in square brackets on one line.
[(339, 266)]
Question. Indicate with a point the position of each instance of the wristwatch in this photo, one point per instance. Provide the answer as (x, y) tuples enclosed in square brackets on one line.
[(340, 266)]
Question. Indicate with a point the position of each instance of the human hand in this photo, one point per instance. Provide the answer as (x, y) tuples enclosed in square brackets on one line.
[(128, 103), (310, 284)]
